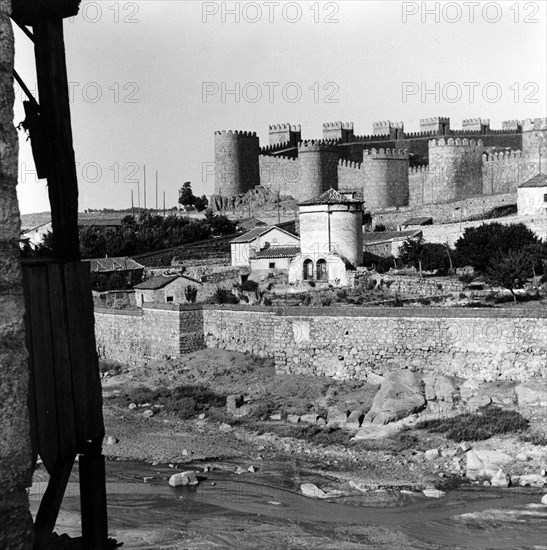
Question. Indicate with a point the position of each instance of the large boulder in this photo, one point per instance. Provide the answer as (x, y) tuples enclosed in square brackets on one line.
[(311, 490), (183, 478), (400, 395), (440, 388), (532, 393), (485, 463)]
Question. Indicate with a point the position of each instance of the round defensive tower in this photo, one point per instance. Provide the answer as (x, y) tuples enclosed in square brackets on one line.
[(332, 222), (318, 162), (236, 162)]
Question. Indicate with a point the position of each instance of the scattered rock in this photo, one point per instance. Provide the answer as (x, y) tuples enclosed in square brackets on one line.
[(478, 401), (500, 479), (449, 452), (375, 431), (201, 416), (240, 470), (226, 428), (531, 480), (111, 440), (399, 396), (132, 406), (206, 468), (433, 493), (544, 500), (310, 418), (276, 416), (183, 478), (311, 490), (486, 483), (147, 479), (431, 454), (531, 393), (148, 413), (274, 502), (354, 420), (185, 452), (293, 418), (543, 473), (251, 469), (523, 457), (233, 402), (465, 446)]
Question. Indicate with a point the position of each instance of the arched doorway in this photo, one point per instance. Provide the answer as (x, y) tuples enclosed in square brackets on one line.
[(308, 270), (322, 274)]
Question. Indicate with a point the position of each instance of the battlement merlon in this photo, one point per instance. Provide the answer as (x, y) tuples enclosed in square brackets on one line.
[(451, 142), (285, 127), (536, 124), (338, 126), (475, 124), (387, 154), (314, 145), (236, 133), (512, 125), (502, 155), (438, 125)]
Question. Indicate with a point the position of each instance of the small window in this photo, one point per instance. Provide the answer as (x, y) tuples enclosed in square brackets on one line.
[(545, 197), (169, 298), (272, 265)]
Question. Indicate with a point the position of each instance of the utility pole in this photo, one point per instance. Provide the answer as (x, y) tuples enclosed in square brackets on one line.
[(138, 194), (144, 172), (132, 207), (278, 212), (156, 190), (164, 204)]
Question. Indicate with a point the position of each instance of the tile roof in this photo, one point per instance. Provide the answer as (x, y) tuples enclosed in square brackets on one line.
[(276, 252), (539, 180), (331, 196), (378, 237), (253, 234), (104, 265), (155, 283)]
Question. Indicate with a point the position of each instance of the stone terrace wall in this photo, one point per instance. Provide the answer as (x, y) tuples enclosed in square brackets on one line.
[(157, 331), (501, 344), (482, 345)]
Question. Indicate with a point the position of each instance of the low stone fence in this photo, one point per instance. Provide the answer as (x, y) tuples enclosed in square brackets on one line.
[(500, 344)]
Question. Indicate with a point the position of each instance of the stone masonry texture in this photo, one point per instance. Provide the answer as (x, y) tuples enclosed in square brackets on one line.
[(341, 343), (15, 452)]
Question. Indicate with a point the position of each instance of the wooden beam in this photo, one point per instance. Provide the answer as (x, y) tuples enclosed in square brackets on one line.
[(56, 126)]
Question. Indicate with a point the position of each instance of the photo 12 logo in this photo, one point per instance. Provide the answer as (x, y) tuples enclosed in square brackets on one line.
[(469, 12), (270, 92), (470, 92), (114, 12), (270, 12)]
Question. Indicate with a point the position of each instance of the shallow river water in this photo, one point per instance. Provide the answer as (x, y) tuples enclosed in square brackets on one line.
[(257, 511)]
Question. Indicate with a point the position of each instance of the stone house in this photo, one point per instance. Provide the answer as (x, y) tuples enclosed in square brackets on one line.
[(275, 258), (268, 236), (532, 196), (114, 273), (388, 243), (164, 289)]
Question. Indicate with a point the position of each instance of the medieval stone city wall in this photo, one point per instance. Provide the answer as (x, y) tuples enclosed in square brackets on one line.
[(449, 212), (339, 342)]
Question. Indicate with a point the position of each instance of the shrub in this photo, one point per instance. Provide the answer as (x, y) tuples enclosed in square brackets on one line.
[(267, 301), (312, 284), (466, 278), (483, 424), (190, 293), (249, 286), (181, 401), (534, 438), (224, 296)]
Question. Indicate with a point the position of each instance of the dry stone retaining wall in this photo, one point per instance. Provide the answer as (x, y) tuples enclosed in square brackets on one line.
[(341, 343)]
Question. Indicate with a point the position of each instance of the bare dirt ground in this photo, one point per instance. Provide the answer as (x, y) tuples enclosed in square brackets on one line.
[(372, 489)]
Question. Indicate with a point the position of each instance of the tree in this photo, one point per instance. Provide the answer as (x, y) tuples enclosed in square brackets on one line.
[(186, 197), (426, 256), (201, 203), (510, 270), (480, 245)]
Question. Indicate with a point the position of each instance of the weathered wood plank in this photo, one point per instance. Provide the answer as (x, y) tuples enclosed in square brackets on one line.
[(51, 502), (42, 365), (93, 502), (83, 351), (32, 386), (62, 361)]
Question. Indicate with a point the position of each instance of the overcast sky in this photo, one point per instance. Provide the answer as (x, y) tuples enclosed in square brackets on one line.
[(147, 79)]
